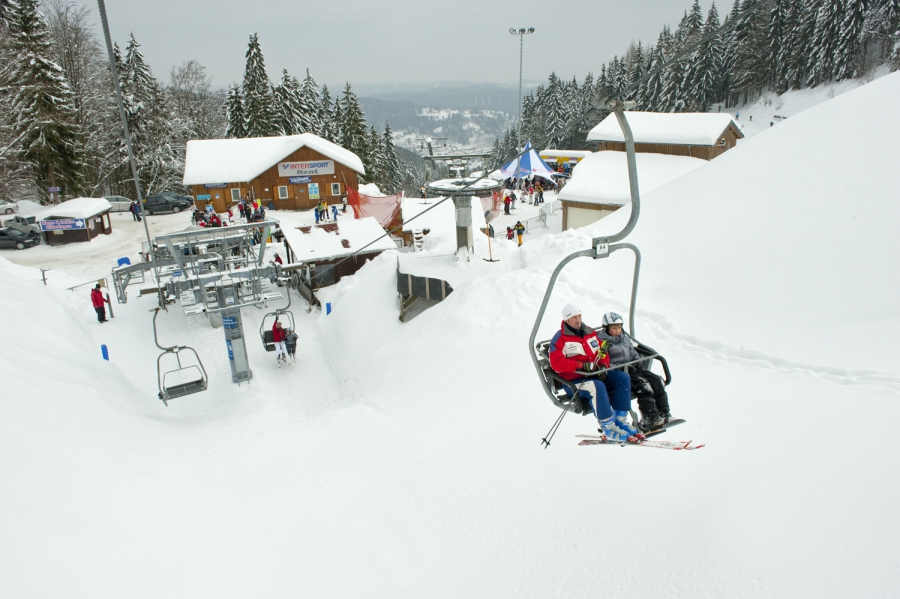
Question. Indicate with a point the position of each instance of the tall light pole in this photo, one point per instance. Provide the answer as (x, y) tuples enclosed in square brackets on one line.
[(521, 32)]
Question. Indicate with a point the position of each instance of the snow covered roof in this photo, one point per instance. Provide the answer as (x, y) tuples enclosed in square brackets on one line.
[(602, 178), (75, 208), (244, 159), (441, 218), (335, 240), (563, 153), (685, 128)]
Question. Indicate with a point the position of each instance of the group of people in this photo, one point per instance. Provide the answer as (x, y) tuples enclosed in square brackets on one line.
[(285, 343), (588, 360), (322, 212), (518, 230)]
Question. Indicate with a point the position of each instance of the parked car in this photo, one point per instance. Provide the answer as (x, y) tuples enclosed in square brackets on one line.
[(118, 203), (25, 224), (166, 202), (7, 207), (12, 238)]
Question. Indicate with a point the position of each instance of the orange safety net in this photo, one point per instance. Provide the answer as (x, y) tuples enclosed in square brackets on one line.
[(385, 209)]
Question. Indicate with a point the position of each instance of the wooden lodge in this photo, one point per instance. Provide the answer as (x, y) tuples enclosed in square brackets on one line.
[(291, 172), (696, 134), (75, 220)]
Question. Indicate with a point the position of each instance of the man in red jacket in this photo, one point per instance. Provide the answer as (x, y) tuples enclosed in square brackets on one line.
[(98, 301), (575, 353)]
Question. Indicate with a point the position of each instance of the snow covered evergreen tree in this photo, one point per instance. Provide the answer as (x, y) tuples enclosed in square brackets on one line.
[(42, 107), (260, 114), (847, 63), (825, 41), (394, 171), (309, 105), (353, 125), (234, 105), (287, 100)]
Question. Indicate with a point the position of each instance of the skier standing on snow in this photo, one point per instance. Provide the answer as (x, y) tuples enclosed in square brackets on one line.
[(97, 300), (648, 386), (575, 352), (520, 230), (290, 342), (278, 339), (135, 211)]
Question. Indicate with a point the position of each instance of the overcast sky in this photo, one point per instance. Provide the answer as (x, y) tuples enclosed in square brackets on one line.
[(390, 41)]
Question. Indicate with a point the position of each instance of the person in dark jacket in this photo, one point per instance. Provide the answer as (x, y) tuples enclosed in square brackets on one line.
[(648, 386), (135, 211), (290, 343), (575, 353), (99, 302), (520, 230)]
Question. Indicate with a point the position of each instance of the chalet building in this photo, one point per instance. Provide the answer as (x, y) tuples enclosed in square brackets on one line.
[(600, 186), (78, 219), (292, 172), (703, 135)]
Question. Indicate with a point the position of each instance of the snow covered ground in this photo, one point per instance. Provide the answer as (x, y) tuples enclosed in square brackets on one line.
[(404, 460)]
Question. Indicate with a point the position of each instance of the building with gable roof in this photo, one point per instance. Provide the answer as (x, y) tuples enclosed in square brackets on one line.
[(292, 172), (702, 135)]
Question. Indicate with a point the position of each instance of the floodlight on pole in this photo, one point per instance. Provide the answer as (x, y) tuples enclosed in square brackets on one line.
[(521, 32)]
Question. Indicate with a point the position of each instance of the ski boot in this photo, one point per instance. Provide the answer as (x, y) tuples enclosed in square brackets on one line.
[(621, 418), (651, 421), (666, 417), (612, 432)]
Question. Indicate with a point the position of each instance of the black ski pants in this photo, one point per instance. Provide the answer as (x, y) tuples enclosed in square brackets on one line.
[(651, 392), (101, 314)]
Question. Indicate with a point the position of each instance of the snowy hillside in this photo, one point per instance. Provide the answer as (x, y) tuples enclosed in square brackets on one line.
[(404, 460)]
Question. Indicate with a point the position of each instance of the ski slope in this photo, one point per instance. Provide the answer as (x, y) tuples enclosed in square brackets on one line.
[(404, 460)]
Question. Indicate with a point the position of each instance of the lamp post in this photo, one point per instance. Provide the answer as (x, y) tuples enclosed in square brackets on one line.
[(521, 32)]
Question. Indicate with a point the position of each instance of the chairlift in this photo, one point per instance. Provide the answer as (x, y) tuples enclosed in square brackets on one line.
[(602, 247), (184, 377), (268, 322)]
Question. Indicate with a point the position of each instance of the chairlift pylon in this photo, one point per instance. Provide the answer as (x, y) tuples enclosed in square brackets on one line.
[(184, 379)]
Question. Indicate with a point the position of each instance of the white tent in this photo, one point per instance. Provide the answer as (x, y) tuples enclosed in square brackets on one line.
[(529, 164)]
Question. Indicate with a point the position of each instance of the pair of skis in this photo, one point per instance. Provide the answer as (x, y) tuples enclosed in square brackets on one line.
[(647, 442)]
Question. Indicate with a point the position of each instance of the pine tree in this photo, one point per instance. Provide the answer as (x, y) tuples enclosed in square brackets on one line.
[(336, 121), (825, 41), (287, 100), (260, 115), (846, 63), (776, 38), (555, 114), (394, 172), (328, 129), (42, 104), (708, 66), (353, 124), (234, 105), (309, 105)]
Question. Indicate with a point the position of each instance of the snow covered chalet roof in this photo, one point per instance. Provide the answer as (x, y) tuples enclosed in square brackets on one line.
[(336, 240), (602, 178), (75, 208), (684, 128), (244, 159), (550, 153)]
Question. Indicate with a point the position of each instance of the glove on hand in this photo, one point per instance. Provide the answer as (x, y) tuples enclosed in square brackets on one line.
[(588, 367)]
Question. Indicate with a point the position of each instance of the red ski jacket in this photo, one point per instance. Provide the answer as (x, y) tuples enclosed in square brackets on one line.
[(277, 334), (569, 349), (97, 299)]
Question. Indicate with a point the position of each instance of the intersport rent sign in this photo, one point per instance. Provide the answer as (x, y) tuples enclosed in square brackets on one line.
[(305, 169)]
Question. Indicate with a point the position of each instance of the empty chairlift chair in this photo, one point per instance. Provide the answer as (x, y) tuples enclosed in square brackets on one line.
[(181, 377)]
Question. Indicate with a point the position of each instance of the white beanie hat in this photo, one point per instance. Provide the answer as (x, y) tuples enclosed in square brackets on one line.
[(569, 311)]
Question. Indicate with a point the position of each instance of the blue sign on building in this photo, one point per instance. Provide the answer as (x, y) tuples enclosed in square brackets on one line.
[(296, 180), (203, 196), (215, 185), (62, 224)]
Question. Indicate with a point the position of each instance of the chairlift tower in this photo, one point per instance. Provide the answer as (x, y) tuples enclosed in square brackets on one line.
[(463, 192)]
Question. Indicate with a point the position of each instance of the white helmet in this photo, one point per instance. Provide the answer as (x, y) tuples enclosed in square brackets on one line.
[(612, 318)]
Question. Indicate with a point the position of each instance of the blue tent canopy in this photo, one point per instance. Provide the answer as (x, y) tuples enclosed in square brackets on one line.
[(529, 164)]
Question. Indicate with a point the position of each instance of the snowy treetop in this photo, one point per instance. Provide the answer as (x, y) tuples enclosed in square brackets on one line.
[(688, 128), (336, 240), (602, 178), (243, 159), (75, 208)]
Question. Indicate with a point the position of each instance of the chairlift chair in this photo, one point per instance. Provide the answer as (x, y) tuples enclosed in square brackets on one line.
[(268, 321), (184, 378)]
